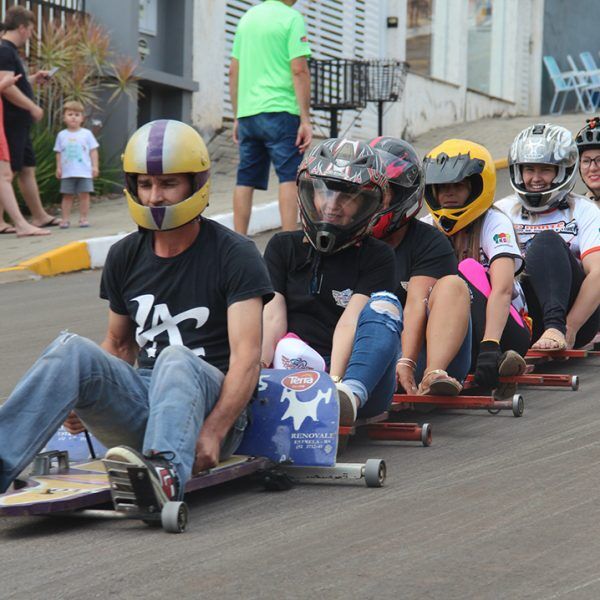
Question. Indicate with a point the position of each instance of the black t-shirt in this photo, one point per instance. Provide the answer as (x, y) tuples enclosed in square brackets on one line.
[(183, 300), (424, 251), (11, 61), (297, 271)]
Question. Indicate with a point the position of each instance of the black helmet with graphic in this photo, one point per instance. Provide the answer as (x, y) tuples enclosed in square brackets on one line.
[(341, 188)]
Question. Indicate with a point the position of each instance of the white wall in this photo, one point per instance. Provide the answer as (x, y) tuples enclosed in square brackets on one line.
[(208, 67)]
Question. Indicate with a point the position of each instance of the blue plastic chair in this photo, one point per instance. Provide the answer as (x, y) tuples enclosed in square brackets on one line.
[(565, 82), (591, 78)]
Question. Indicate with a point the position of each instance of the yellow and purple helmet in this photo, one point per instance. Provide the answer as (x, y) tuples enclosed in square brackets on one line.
[(161, 148)]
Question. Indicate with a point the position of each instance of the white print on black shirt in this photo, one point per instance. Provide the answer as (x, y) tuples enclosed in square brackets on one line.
[(163, 320), (342, 298)]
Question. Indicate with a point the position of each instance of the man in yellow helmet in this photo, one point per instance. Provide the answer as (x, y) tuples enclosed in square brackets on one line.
[(185, 300)]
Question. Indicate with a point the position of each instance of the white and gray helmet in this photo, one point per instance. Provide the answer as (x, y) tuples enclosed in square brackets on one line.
[(544, 144)]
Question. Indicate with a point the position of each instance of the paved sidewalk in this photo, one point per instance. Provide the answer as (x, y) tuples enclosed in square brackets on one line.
[(110, 216)]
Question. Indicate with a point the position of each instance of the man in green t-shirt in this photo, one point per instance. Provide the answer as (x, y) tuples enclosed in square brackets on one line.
[(269, 83)]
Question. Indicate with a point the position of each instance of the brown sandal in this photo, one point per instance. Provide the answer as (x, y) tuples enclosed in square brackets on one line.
[(554, 335), (438, 383)]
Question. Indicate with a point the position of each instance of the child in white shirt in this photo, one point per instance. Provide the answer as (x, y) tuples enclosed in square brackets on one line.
[(76, 163)]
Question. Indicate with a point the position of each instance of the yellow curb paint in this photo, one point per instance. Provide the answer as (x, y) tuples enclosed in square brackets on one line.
[(501, 163), (72, 257)]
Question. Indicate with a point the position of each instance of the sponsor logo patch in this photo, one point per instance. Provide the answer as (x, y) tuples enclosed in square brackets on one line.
[(301, 381), (502, 238)]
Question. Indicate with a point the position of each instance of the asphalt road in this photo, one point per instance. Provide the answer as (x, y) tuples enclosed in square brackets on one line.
[(497, 507)]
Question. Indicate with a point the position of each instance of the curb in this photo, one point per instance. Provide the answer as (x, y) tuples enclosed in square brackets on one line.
[(91, 254)]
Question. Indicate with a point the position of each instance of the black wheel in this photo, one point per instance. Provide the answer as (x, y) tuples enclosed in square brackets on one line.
[(375, 472), (518, 405), (575, 383), (174, 517), (276, 481), (426, 434), (493, 411)]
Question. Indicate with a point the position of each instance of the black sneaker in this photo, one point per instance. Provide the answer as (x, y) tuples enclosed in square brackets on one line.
[(162, 473)]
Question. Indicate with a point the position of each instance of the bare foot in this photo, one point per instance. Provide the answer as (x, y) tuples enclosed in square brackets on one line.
[(31, 230)]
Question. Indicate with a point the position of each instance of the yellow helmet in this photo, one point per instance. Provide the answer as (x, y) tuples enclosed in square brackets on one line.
[(451, 162), (159, 148)]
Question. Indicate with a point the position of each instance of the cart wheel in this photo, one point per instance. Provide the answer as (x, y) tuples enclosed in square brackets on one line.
[(426, 434), (276, 481), (375, 472), (575, 383), (518, 405), (174, 517)]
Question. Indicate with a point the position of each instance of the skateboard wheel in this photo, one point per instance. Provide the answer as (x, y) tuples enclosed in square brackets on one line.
[(174, 517), (518, 405), (575, 383), (375, 472), (426, 434)]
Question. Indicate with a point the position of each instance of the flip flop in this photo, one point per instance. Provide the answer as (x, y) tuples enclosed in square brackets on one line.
[(8, 229), (53, 222), (554, 335)]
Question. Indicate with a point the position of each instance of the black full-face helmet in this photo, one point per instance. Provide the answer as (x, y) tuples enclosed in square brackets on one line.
[(404, 171), (341, 188)]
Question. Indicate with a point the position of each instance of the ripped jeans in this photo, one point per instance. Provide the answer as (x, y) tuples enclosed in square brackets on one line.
[(159, 409), (371, 371)]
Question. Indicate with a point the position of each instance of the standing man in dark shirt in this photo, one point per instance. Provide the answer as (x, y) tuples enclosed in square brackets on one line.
[(186, 297), (269, 84), (20, 110)]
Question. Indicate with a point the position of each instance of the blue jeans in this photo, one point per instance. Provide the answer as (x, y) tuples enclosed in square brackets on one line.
[(371, 371), (372, 365), (160, 409), (264, 139)]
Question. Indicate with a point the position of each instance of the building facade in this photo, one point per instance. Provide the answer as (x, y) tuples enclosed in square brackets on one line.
[(468, 58)]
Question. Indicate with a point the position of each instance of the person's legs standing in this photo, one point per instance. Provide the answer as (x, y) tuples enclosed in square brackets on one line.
[(281, 130), (253, 172), (22, 161), (73, 373), (84, 209), (9, 202), (65, 207)]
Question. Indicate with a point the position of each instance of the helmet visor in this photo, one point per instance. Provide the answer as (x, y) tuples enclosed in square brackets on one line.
[(338, 203)]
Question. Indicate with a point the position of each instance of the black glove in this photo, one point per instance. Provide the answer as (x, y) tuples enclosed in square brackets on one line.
[(486, 371)]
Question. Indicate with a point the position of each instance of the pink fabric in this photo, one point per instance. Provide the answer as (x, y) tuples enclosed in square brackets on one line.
[(474, 272)]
